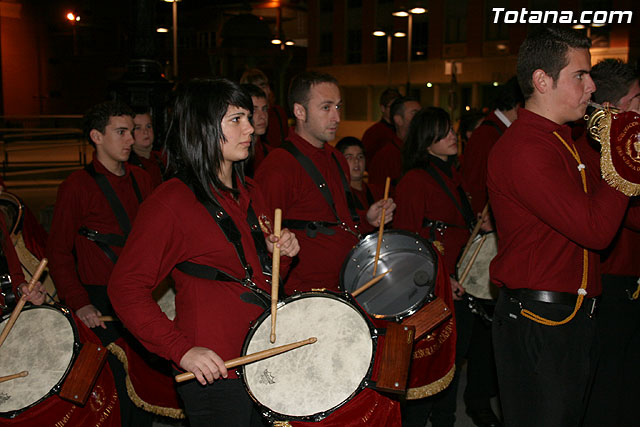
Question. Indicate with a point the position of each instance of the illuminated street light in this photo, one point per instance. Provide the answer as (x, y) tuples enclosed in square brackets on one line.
[(276, 41), (290, 43), (162, 30), (399, 34), (71, 16), (418, 10)]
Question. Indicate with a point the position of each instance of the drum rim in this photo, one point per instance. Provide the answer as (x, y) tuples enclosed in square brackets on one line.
[(74, 355), (366, 381), (17, 227), (417, 306)]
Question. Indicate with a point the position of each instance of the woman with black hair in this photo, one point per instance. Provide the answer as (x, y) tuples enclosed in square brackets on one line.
[(432, 203), (203, 226)]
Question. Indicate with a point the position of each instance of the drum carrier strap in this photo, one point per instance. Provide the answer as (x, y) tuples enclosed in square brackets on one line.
[(313, 227), (233, 236), (464, 209), (105, 240)]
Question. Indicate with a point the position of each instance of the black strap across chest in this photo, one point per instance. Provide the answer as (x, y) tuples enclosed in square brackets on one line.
[(321, 184), (465, 207), (233, 236), (106, 240), (492, 124)]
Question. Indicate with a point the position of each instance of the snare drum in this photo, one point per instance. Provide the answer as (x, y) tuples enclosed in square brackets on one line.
[(403, 291), (478, 282), (310, 382), (44, 342)]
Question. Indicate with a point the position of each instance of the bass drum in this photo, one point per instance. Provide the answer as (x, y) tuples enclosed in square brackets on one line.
[(44, 341), (404, 290), (478, 282), (310, 382)]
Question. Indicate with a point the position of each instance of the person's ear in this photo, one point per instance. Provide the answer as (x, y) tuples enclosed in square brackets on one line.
[(299, 112), (541, 81)]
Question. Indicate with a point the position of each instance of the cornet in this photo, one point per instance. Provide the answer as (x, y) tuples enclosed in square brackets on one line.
[(594, 120)]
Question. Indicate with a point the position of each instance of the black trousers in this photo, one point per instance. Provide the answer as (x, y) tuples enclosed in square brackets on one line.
[(130, 414), (473, 343), (616, 388), (544, 372), (223, 403)]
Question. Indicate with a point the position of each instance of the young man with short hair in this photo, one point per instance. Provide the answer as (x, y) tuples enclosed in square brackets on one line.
[(376, 136), (260, 121), (552, 212), (94, 210)]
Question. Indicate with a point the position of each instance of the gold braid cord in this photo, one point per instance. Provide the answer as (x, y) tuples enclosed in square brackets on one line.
[(585, 254), (609, 172), (160, 410), (433, 388)]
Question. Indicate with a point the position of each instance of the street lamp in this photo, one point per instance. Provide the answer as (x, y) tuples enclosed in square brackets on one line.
[(73, 18), (382, 33), (409, 14), (175, 36)]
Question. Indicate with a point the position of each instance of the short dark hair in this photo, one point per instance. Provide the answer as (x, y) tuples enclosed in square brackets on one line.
[(389, 95), (397, 107), (429, 125), (253, 90), (613, 78), (195, 133), (546, 48), (98, 116), (139, 111), (507, 96), (469, 121), (254, 76), (302, 83), (349, 141)]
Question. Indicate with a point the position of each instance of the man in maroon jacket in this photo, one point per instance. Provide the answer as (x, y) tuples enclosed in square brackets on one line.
[(387, 162), (552, 213), (617, 382), (474, 162), (380, 132), (309, 180), (94, 210)]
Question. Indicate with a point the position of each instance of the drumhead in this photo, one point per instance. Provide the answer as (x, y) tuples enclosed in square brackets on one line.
[(42, 342), (478, 283), (406, 288), (310, 382)]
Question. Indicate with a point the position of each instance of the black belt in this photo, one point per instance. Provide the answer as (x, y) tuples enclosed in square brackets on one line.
[(551, 297)]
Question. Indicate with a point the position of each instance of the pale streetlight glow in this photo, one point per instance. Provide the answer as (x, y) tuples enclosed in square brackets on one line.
[(496, 84), (399, 34), (276, 41), (71, 16), (289, 43), (400, 13), (418, 10), (429, 84), (379, 33), (162, 30)]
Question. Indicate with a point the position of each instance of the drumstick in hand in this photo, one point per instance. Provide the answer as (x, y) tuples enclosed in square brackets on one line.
[(254, 357), (381, 230), (14, 376), (465, 273), (474, 233), (370, 283), (108, 319), (23, 300), (275, 273)]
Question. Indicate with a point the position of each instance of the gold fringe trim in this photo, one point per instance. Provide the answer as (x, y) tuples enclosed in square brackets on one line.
[(433, 388), (159, 410), (609, 172), (281, 424)]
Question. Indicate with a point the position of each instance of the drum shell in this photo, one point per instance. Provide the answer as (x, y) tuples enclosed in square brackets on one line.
[(32, 339), (408, 255), (264, 319), (102, 408)]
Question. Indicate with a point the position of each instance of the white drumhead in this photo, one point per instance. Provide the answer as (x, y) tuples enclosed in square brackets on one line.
[(478, 282), (318, 377), (41, 342)]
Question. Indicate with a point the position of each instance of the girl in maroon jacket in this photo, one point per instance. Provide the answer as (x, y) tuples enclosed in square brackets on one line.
[(202, 219)]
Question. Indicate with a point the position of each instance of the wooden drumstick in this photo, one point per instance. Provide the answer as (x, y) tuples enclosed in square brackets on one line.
[(381, 229), (22, 301), (275, 273), (108, 319), (474, 233), (370, 283), (465, 273), (14, 376), (254, 357)]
